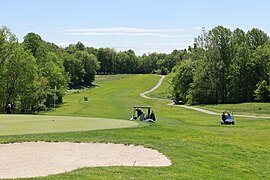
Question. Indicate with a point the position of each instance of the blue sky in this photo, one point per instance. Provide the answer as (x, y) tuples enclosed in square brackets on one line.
[(142, 25)]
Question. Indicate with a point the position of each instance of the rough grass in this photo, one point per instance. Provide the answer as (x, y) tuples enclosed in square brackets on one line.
[(198, 146)]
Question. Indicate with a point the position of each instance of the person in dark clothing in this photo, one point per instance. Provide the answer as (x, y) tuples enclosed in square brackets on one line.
[(152, 116), (223, 117), (9, 109), (140, 114)]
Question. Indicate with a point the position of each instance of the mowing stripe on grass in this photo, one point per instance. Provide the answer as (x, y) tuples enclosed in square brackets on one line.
[(32, 124)]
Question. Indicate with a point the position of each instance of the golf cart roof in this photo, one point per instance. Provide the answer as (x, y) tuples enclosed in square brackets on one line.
[(146, 107)]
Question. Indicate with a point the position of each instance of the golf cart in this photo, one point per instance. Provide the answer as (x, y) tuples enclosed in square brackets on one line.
[(177, 101), (227, 118), (149, 117)]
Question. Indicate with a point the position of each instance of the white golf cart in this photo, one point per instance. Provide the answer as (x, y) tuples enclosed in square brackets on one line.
[(149, 117), (227, 118)]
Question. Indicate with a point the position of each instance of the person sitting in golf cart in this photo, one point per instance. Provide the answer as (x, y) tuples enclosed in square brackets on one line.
[(152, 116), (223, 117), (140, 113), (147, 117)]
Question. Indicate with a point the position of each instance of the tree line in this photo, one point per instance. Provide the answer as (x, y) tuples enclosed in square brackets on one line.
[(224, 66), (127, 62), (34, 73)]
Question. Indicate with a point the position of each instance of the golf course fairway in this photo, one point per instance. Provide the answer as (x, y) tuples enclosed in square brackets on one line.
[(195, 142), (34, 124)]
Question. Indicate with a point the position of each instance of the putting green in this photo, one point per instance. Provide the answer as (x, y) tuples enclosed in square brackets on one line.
[(33, 124)]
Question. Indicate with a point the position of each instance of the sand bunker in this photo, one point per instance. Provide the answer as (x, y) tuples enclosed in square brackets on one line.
[(33, 159)]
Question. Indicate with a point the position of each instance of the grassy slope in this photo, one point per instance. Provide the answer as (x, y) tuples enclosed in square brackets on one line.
[(164, 91), (114, 97), (199, 147)]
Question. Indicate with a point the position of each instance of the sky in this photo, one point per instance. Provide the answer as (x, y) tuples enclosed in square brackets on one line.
[(144, 26)]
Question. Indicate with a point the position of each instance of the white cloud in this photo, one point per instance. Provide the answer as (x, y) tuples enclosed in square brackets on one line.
[(139, 48), (129, 31), (117, 30), (151, 47), (63, 43), (141, 40)]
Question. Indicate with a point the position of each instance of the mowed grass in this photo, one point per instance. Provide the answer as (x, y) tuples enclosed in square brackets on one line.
[(198, 146), (164, 91), (113, 97), (33, 124), (257, 109)]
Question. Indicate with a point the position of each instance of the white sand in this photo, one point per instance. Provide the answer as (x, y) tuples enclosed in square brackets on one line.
[(33, 159)]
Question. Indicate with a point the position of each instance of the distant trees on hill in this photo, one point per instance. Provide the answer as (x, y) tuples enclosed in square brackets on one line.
[(225, 66), (126, 62)]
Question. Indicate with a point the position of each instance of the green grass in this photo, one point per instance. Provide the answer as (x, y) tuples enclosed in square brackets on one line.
[(198, 146), (113, 97), (33, 124), (164, 91), (258, 109)]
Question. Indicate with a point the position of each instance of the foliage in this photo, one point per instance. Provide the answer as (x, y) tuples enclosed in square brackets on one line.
[(126, 62), (182, 79), (81, 66), (51, 71), (19, 75), (229, 65), (30, 71)]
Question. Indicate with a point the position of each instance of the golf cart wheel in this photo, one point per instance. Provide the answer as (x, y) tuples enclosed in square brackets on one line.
[(232, 123)]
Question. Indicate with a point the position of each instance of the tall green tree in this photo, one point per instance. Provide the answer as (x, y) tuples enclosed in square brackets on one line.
[(106, 57), (34, 44), (53, 70), (82, 67), (219, 58), (182, 79), (50, 68), (90, 65), (239, 69), (256, 38), (8, 42), (210, 81), (22, 80)]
